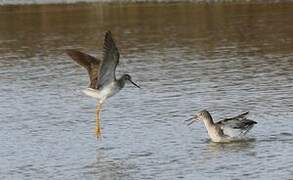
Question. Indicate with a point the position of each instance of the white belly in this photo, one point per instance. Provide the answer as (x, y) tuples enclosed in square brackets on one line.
[(92, 93), (103, 93)]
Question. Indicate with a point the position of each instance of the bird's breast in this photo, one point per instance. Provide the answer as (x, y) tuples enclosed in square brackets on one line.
[(91, 92), (104, 92), (109, 90)]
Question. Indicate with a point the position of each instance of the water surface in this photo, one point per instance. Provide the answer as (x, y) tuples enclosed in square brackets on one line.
[(227, 58)]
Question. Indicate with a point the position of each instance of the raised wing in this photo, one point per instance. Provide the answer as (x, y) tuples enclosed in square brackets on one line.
[(110, 60), (91, 63), (233, 119), (236, 125)]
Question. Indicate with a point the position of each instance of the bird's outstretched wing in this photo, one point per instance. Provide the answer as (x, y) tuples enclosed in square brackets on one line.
[(91, 63), (110, 60), (239, 124)]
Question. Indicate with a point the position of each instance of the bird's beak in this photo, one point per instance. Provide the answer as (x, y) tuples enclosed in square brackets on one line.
[(192, 120), (134, 84)]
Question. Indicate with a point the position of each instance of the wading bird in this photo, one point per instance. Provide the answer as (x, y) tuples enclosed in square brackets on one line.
[(226, 130), (103, 83)]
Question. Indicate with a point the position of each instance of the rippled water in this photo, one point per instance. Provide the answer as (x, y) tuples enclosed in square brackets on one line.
[(227, 58)]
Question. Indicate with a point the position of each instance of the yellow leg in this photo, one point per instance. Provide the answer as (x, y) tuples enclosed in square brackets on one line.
[(98, 127)]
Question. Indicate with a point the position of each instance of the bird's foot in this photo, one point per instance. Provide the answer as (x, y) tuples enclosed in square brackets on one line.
[(98, 132)]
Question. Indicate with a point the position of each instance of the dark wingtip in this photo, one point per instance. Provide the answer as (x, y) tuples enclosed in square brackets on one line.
[(108, 32), (251, 122), (108, 35), (109, 43), (247, 112)]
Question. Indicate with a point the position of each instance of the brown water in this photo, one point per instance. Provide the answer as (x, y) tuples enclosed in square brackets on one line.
[(224, 57)]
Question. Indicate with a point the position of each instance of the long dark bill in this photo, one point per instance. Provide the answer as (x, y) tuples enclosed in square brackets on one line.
[(191, 120), (134, 84)]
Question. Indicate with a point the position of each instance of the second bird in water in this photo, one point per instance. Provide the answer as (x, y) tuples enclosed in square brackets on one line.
[(226, 130)]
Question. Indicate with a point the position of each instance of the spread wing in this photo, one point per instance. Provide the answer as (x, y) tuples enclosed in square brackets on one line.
[(110, 60), (236, 125), (91, 63)]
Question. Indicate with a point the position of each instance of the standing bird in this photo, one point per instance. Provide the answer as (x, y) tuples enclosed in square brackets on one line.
[(103, 83), (225, 130)]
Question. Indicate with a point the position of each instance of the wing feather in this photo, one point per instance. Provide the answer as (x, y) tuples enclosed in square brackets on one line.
[(89, 62), (110, 60), (238, 124)]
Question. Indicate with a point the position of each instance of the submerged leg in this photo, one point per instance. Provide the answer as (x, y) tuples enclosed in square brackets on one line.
[(98, 127)]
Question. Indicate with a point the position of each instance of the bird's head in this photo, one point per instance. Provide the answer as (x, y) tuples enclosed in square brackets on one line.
[(127, 77), (199, 116)]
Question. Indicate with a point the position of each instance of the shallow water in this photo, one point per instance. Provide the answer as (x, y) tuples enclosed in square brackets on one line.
[(227, 58)]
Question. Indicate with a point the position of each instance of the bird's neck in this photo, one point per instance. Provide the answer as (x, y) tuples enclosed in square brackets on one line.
[(213, 132), (209, 123)]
